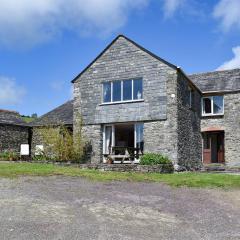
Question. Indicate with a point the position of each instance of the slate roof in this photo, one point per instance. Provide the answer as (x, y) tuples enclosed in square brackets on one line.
[(219, 81), (11, 118), (58, 116)]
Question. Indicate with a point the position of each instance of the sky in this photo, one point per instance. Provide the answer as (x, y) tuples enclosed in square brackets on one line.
[(44, 44)]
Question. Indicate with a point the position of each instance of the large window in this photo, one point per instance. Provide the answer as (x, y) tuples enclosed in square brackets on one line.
[(122, 91), (212, 105)]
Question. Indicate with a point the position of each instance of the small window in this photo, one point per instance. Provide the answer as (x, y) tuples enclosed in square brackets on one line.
[(107, 92), (191, 97), (212, 105)]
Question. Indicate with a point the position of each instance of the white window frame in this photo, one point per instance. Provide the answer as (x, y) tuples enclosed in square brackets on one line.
[(122, 101), (212, 112)]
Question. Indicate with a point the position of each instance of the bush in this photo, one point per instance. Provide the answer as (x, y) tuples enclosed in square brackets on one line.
[(60, 144), (9, 156), (154, 159)]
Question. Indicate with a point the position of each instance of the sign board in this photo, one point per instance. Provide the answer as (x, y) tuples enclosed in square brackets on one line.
[(24, 150), (38, 150)]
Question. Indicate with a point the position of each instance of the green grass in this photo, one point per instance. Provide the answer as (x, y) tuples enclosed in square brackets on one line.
[(28, 119), (202, 180)]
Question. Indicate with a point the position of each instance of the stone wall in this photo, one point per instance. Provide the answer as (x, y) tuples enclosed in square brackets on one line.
[(230, 122), (92, 134), (188, 125), (161, 136), (37, 139), (12, 136)]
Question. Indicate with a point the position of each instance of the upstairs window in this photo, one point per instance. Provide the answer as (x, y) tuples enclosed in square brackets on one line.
[(191, 97), (123, 91), (212, 105)]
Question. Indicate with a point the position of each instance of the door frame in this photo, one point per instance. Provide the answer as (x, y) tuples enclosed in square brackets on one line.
[(220, 152), (113, 136)]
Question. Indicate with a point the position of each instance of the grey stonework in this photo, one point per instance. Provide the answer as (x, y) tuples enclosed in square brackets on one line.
[(188, 125), (159, 110), (230, 123), (92, 134), (123, 60), (12, 136)]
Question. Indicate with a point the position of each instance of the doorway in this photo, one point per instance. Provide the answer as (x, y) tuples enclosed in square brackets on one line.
[(213, 147), (121, 137)]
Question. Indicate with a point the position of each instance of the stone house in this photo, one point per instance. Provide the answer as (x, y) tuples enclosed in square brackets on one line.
[(130, 98), (13, 131)]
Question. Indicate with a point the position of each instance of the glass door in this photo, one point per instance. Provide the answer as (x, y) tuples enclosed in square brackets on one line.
[(139, 141), (108, 140)]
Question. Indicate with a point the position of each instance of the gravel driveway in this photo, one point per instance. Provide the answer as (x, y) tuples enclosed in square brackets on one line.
[(75, 208)]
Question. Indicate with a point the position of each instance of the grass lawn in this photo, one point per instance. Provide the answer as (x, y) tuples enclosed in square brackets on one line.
[(211, 180)]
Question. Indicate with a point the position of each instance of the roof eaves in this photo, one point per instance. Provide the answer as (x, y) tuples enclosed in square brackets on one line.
[(185, 75), (221, 91)]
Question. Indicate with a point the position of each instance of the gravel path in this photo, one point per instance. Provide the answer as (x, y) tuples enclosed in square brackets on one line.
[(75, 208)]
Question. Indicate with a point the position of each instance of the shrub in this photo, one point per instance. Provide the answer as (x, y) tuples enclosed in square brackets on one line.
[(9, 156), (154, 159), (60, 144)]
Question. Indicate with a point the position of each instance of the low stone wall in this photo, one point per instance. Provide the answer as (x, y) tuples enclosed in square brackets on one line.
[(161, 168)]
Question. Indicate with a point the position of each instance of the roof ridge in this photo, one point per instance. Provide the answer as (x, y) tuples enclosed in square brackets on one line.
[(217, 71)]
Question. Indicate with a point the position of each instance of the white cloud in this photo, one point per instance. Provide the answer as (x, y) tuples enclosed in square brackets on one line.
[(171, 6), (228, 11), (29, 22), (10, 92), (234, 62)]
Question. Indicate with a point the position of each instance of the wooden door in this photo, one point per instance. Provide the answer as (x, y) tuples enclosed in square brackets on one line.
[(221, 148), (213, 147), (207, 153)]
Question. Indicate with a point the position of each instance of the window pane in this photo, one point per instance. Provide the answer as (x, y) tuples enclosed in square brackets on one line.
[(139, 136), (217, 104), (127, 90), (207, 105), (108, 139), (116, 91), (107, 92), (138, 89)]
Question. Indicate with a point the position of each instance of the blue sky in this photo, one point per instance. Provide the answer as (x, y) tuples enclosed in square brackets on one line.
[(45, 44)]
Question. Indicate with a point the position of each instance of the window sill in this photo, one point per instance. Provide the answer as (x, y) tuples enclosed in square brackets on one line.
[(213, 115), (121, 102)]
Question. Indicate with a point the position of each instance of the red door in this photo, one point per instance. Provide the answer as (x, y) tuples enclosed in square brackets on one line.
[(221, 147), (213, 147), (207, 149)]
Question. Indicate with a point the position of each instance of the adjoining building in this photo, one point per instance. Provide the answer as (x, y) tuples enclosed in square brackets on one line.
[(13, 131)]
